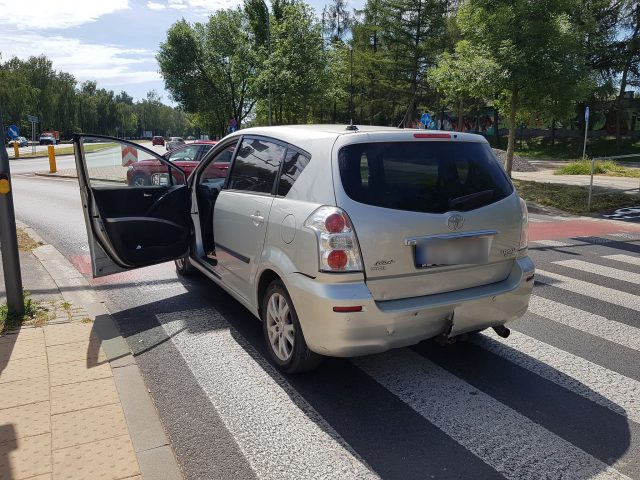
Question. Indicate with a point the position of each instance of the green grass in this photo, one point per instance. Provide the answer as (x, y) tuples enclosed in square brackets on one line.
[(601, 167), (571, 148), (68, 150), (573, 198), (34, 313)]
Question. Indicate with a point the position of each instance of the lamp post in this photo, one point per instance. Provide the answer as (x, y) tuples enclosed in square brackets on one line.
[(266, 8)]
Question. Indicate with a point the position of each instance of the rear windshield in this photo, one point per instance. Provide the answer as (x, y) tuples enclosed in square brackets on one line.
[(430, 177)]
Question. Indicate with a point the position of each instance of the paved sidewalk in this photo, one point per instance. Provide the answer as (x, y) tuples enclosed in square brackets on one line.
[(73, 404)]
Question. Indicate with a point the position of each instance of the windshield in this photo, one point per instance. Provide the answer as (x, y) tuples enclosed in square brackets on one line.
[(430, 177)]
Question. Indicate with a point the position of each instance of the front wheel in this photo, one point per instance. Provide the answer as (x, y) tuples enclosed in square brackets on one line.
[(283, 334)]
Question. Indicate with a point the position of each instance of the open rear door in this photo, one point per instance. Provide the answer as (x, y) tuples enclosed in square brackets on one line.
[(136, 204)]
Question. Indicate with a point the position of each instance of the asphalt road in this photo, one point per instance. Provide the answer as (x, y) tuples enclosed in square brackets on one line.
[(560, 398)]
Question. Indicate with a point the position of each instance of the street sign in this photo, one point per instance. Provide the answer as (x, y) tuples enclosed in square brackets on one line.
[(32, 119), (129, 155), (586, 114), (13, 132)]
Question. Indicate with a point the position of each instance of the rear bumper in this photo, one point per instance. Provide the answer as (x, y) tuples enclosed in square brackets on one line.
[(397, 323)]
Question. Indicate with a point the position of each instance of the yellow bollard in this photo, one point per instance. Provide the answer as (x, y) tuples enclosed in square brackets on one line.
[(52, 159), (16, 149)]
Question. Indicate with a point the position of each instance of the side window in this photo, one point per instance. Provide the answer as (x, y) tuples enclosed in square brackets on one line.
[(110, 162), (186, 154), (218, 167), (256, 166), (205, 149), (294, 163)]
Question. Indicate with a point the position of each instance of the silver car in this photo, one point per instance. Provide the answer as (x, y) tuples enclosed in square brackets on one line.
[(174, 142), (344, 241)]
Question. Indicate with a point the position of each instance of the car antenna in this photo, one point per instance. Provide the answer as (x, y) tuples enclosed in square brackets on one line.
[(351, 127)]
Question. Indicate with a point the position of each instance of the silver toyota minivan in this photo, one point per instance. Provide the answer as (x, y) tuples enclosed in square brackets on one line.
[(344, 241)]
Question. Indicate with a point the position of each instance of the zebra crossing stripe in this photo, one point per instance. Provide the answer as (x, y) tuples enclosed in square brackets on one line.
[(552, 243), (512, 444), (279, 433), (601, 270), (606, 294), (624, 258), (605, 387), (591, 323)]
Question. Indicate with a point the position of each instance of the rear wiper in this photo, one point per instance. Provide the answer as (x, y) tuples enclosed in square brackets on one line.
[(460, 200)]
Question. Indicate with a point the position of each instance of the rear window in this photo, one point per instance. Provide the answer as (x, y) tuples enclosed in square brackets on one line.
[(430, 177)]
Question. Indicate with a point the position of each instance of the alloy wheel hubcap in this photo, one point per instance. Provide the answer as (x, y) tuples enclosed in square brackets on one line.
[(280, 326)]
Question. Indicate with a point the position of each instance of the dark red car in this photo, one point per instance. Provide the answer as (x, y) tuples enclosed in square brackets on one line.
[(186, 157), (157, 140)]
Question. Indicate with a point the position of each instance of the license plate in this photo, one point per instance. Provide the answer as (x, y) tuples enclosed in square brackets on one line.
[(438, 252)]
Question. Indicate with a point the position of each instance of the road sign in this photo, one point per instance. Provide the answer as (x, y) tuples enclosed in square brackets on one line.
[(586, 114), (32, 119), (13, 132), (129, 155)]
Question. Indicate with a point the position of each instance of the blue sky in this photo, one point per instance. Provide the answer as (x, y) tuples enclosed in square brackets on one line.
[(111, 41)]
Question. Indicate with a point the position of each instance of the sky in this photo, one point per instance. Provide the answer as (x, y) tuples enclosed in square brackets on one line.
[(113, 42)]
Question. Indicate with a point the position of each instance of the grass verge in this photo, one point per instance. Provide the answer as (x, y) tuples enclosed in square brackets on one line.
[(25, 242), (67, 151), (570, 148), (573, 198), (601, 167), (35, 313)]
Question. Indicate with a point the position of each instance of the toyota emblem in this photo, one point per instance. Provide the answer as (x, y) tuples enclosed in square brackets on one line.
[(455, 222)]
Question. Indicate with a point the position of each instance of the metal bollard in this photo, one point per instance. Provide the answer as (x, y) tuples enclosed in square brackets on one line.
[(52, 159), (16, 149)]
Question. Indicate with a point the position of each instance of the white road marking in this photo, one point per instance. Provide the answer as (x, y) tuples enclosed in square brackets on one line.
[(605, 387), (279, 433), (609, 295), (601, 270), (624, 258), (588, 322), (552, 243), (512, 444)]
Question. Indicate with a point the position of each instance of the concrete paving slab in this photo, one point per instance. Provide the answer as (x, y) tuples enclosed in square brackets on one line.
[(23, 392), (78, 396), (23, 369), (25, 333), (22, 349), (88, 425), (27, 420), (68, 352), (75, 372), (33, 457), (109, 459), (67, 333), (158, 464)]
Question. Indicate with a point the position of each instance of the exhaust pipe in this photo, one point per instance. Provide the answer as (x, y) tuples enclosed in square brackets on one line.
[(502, 331)]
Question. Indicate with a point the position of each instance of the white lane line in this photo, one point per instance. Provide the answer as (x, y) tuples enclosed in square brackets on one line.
[(624, 258), (588, 322), (552, 243), (605, 387), (606, 294), (279, 433), (601, 270), (511, 443)]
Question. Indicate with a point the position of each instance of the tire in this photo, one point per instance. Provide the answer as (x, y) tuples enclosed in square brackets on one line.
[(183, 266), (290, 352), (140, 180)]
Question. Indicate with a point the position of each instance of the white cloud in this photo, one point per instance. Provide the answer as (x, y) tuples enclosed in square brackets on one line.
[(155, 6), (56, 14), (109, 65)]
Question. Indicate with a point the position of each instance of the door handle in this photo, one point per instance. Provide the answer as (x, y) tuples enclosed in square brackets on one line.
[(256, 218), (146, 194)]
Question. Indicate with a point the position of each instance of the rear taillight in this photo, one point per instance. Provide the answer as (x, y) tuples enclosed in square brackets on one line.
[(524, 226), (338, 249)]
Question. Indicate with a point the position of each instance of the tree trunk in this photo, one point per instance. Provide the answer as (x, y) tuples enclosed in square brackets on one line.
[(623, 86), (512, 130), (460, 116), (553, 133), (496, 130)]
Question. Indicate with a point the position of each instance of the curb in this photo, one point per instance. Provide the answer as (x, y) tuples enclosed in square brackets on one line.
[(154, 452), (54, 175)]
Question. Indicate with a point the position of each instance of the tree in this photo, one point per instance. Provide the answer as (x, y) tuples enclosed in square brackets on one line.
[(467, 75), (532, 42)]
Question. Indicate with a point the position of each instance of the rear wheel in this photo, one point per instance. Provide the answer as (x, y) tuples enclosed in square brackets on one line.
[(283, 334), (140, 180)]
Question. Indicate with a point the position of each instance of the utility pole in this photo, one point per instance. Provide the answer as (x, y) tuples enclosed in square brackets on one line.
[(8, 235), (351, 86), (269, 50)]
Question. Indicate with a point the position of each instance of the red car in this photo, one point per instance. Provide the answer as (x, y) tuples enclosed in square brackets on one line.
[(186, 157), (157, 140)]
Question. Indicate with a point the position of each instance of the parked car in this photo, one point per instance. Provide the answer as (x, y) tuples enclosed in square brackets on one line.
[(342, 241), (186, 157), (157, 140), (174, 142), (48, 139), (21, 141)]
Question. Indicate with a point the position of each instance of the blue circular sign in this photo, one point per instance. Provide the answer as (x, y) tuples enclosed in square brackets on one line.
[(13, 132)]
